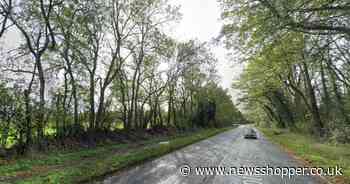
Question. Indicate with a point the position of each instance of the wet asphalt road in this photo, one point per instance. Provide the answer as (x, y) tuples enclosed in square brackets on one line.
[(227, 149)]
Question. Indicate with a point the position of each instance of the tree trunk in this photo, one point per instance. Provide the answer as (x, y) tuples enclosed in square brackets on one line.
[(326, 96), (314, 108), (92, 102), (41, 113), (338, 97), (101, 106), (170, 102), (74, 94), (28, 117)]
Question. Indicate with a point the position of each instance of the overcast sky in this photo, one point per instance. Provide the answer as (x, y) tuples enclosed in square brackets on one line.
[(201, 20)]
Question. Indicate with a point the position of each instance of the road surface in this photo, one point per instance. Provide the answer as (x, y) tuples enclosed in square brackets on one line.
[(227, 149)]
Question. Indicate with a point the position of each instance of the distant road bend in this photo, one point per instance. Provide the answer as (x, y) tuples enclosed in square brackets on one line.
[(228, 149)]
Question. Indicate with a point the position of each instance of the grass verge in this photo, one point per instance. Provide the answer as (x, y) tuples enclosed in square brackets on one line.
[(314, 153), (88, 164)]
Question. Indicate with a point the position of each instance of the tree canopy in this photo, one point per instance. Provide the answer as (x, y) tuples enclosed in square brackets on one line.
[(297, 62), (85, 67)]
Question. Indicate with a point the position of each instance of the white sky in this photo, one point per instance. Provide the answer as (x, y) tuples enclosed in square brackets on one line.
[(201, 20)]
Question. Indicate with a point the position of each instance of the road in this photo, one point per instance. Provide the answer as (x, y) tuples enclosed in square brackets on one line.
[(227, 149)]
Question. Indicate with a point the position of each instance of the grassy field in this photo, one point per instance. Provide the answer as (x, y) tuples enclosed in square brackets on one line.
[(316, 154), (88, 164)]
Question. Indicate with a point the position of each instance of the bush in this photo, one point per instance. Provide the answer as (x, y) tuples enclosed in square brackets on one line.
[(277, 132), (2, 153), (340, 135)]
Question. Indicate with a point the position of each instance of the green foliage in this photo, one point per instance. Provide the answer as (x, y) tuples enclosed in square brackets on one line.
[(86, 164), (98, 66), (319, 154), (11, 116), (226, 112), (296, 62)]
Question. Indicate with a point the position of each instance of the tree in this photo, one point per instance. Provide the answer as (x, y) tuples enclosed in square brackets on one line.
[(287, 47), (5, 11), (39, 37), (84, 69)]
